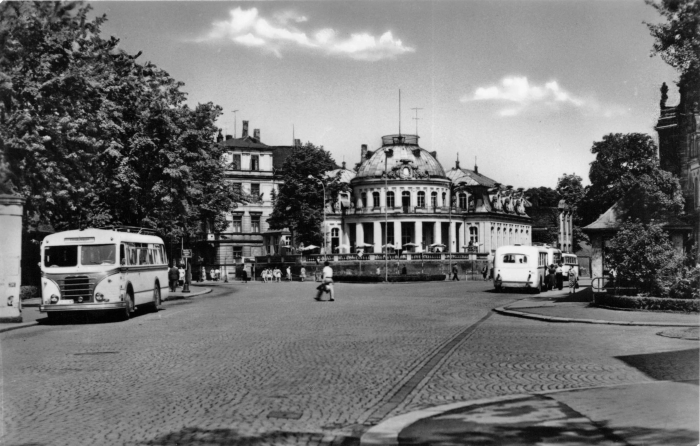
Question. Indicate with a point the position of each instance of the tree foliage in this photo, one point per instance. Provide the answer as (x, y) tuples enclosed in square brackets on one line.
[(644, 257), (92, 137), (622, 162), (677, 40), (298, 205), (542, 196)]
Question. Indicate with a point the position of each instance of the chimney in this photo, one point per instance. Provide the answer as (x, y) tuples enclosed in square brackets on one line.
[(245, 129), (219, 137), (363, 152), (228, 137), (256, 134), (343, 165)]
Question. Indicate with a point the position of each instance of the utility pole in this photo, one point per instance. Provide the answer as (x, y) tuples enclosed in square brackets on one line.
[(234, 124)]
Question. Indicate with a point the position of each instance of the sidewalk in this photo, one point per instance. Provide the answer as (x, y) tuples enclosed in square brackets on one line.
[(606, 416), (560, 306), (31, 313)]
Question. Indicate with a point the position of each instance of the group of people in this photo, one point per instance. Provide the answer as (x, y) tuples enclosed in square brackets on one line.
[(176, 277), (275, 275), (555, 277)]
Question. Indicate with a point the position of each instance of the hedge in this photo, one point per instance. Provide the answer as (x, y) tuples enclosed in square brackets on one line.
[(648, 303), (356, 278), (27, 292)]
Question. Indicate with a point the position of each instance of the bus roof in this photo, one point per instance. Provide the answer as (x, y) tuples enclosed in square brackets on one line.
[(520, 248), (97, 236)]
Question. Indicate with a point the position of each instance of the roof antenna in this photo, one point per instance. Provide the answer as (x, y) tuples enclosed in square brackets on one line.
[(457, 163), (476, 168), (416, 118), (399, 112)]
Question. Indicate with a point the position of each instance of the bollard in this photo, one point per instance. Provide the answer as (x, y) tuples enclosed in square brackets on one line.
[(11, 209)]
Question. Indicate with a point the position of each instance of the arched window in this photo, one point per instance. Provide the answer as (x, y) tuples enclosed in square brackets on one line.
[(405, 199), (462, 201), (363, 198), (433, 199), (474, 235), (375, 199), (421, 199), (444, 199), (390, 200)]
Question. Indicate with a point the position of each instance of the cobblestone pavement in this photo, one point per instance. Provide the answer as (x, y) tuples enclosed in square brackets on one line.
[(266, 364)]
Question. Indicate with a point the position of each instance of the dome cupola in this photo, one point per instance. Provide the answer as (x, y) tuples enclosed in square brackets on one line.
[(404, 158)]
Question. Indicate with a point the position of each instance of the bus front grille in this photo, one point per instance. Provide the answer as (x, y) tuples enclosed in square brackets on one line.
[(76, 287)]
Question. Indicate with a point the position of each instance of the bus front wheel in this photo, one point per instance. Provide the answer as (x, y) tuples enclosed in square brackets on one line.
[(156, 297), (129, 307)]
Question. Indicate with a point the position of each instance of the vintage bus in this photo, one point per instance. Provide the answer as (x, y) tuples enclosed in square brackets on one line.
[(115, 269), (569, 261), (517, 266)]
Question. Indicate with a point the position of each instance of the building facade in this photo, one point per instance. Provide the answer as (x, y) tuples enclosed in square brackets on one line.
[(679, 148), (254, 169), (401, 198)]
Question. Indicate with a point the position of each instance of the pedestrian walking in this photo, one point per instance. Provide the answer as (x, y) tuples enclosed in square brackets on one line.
[(455, 270), (560, 276), (302, 274), (211, 274), (173, 276), (327, 284), (277, 274), (246, 272), (203, 274), (485, 272), (289, 274)]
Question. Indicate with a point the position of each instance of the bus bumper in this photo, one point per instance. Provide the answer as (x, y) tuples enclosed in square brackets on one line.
[(82, 307), (515, 284)]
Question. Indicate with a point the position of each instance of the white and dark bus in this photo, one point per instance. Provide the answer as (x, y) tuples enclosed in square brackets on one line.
[(102, 269)]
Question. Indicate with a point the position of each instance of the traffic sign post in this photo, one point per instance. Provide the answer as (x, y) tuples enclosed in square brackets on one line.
[(187, 254)]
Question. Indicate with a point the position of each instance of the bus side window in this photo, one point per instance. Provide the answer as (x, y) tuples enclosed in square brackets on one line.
[(122, 257), (163, 255)]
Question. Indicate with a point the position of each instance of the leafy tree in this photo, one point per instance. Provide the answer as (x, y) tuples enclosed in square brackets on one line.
[(570, 189), (677, 40), (644, 257), (542, 196), (298, 205), (91, 137), (623, 161)]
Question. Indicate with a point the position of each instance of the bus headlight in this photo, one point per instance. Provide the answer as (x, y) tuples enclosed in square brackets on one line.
[(99, 297), (54, 299)]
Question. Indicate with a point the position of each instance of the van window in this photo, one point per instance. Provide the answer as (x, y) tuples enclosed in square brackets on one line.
[(515, 258)]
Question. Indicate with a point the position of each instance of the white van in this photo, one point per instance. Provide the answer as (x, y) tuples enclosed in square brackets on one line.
[(98, 269), (517, 266)]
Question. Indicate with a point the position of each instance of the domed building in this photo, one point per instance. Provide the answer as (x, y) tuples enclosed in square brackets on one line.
[(400, 196)]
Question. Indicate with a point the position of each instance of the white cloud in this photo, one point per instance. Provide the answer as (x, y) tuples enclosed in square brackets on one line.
[(279, 33), (521, 96)]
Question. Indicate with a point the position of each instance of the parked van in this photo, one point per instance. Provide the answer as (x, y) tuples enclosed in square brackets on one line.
[(517, 266)]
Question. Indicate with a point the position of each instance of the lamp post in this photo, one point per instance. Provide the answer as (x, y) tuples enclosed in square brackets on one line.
[(454, 188), (323, 229), (387, 153)]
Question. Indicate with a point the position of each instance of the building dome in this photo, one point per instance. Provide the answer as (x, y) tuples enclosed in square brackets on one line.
[(409, 161)]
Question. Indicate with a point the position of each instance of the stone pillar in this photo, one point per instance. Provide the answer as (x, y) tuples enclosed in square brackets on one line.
[(345, 235), (419, 236), (453, 238), (397, 234), (378, 239), (437, 232), (11, 209), (359, 234), (596, 255)]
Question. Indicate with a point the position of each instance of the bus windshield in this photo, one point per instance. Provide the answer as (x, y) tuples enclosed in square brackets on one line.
[(66, 256)]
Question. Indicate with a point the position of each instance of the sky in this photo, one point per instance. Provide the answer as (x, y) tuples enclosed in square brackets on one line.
[(522, 87)]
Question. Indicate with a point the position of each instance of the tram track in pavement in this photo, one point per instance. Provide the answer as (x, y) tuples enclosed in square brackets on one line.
[(420, 375)]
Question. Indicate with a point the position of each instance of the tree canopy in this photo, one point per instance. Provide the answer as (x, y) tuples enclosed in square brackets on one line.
[(623, 161), (92, 137), (298, 205), (677, 40)]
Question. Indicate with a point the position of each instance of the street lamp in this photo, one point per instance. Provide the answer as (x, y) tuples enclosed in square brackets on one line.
[(454, 188), (323, 229), (387, 153)]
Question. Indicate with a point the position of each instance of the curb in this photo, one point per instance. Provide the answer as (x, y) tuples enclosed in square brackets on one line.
[(387, 432), (180, 296), (507, 312), (18, 326)]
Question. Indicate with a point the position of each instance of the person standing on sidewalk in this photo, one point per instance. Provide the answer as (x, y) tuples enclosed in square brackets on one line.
[(327, 282), (560, 276), (552, 282), (302, 274), (173, 276), (573, 280), (454, 272)]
